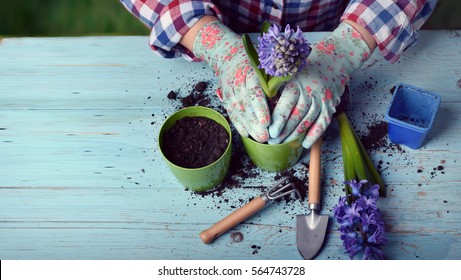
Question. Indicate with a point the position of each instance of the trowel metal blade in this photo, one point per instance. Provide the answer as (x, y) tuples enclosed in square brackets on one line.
[(310, 233)]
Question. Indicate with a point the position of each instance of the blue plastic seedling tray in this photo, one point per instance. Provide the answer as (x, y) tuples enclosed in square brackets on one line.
[(411, 114)]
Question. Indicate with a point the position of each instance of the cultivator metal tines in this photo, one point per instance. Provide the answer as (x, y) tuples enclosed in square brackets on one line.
[(280, 189)]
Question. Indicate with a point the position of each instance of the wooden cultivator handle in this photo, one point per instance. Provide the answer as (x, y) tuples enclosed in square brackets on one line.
[(232, 219)]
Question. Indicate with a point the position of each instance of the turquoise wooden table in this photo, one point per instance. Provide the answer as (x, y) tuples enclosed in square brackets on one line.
[(81, 175)]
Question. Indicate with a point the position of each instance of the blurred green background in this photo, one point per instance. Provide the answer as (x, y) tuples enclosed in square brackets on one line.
[(109, 17), (67, 18)]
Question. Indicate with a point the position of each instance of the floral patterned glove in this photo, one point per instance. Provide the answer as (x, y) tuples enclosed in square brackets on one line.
[(240, 90), (309, 101)]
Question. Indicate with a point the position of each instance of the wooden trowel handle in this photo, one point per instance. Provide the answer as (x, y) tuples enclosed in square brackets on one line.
[(232, 219), (314, 172)]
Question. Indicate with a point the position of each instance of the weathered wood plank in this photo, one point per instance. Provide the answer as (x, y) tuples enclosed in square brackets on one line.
[(81, 176)]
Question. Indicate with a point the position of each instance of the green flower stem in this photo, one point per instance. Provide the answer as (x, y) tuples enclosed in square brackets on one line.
[(275, 83), (372, 170), (348, 137), (348, 166), (353, 149)]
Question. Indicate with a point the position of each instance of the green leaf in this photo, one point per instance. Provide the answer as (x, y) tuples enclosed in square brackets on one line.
[(275, 83), (254, 61), (251, 51), (348, 165), (353, 149), (376, 177), (265, 27), (351, 142)]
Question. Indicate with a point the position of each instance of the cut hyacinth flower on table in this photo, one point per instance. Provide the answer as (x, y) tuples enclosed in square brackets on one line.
[(360, 221), (279, 56)]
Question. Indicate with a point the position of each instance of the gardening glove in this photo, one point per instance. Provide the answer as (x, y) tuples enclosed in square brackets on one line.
[(239, 87), (309, 100)]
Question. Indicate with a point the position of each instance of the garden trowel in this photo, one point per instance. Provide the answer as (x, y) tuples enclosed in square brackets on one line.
[(311, 229)]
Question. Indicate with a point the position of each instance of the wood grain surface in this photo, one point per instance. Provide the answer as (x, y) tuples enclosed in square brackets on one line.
[(81, 175)]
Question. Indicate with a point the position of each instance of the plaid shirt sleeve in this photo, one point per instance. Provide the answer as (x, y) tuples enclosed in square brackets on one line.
[(392, 23), (169, 21)]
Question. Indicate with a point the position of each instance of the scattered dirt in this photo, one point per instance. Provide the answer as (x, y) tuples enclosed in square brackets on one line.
[(200, 87), (194, 98), (440, 169), (172, 95), (376, 137), (392, 90), (255, 248)]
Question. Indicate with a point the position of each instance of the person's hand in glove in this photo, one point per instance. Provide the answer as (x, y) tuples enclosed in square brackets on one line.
[(309, 100), (240, 90)]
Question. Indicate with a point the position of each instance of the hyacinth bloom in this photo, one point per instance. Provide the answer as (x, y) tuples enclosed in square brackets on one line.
[(361, 224), (283, 54), (360, 221), (279, 56)]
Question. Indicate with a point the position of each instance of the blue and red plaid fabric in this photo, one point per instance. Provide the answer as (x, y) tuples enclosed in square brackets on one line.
[(393, 23)]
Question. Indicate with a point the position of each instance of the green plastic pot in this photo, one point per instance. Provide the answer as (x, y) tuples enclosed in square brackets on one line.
[(278, 157), (207, 177)]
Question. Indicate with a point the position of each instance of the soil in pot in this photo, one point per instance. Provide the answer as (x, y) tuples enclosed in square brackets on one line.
[(194, 142)]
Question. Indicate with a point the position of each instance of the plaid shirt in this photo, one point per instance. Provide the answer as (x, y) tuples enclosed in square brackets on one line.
[(392, 23)]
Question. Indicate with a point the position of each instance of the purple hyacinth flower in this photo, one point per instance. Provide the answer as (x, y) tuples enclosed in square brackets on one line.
[(372, 192), (373, 253), (361, 222), (367, 202), (353, 213), (356, 187), (353, 243), (340, 211), (283, 54)]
